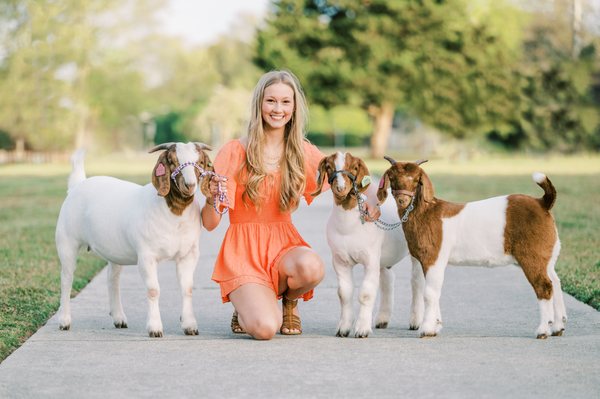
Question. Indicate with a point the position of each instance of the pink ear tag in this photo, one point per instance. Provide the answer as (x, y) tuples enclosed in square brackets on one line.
[(160, 170), (381, 182)]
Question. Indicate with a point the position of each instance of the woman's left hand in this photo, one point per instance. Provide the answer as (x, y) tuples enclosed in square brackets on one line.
[(372, 211)]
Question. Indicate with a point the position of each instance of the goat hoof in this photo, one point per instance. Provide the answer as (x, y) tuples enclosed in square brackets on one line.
[(190, 331), (65, 328), (155, 334), (413, 327), (364, 334), (558, 333), (542, 336), (120, 324), (382, 324), (342, 334), (428, 334)]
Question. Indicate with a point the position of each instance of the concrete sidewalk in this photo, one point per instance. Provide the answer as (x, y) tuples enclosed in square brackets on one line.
[(487, 348)]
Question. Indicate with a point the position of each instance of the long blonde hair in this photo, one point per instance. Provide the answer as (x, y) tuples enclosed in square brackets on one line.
[(293, 179)]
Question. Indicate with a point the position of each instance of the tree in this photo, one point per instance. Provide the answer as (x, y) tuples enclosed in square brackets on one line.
[(56, 54), (555, 81), (428, 57), (207, 87)]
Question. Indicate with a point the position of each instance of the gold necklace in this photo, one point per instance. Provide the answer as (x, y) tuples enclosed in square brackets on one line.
[(270, 160)]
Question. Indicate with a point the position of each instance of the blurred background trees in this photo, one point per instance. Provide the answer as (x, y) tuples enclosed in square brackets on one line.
[(516, 75)]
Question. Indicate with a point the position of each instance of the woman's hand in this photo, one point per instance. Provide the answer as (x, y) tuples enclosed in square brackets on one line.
[(371, 204), (213, 187), (372, 211)]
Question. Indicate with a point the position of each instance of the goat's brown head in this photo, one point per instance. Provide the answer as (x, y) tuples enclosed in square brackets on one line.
[(406, 180), (176, 168), (341, 171)]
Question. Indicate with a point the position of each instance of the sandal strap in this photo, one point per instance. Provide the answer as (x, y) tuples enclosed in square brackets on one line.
[(236, 328), (290, 320)]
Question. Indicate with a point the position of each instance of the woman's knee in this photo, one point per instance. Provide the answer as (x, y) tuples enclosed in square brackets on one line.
[(262, 328), (310, 267)]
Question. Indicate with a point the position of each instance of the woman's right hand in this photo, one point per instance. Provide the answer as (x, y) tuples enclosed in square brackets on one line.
[(213, 185)]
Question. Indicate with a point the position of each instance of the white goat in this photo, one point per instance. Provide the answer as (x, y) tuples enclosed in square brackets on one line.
[(127, 224), (353, 242), (492, 232)]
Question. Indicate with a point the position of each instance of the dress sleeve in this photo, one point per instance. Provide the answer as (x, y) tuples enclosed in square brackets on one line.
[(227, 163), (312, 157)]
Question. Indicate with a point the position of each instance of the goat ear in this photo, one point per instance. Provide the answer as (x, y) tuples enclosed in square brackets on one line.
[(208, 166), (202, 146), (384, 184), (161, 175), (321, 172), (426, 187), (362, 177)]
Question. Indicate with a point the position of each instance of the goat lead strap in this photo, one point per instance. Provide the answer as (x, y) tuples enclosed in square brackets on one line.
[(344, 172), (221, 197)]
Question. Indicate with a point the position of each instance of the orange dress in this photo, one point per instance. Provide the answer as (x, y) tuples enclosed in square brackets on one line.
[(257, 238)]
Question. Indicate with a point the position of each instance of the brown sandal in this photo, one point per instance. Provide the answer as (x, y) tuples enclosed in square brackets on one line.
[(291, 322), (236, 328)]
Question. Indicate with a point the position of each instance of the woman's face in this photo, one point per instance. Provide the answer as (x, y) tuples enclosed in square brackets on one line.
[(277, 106)]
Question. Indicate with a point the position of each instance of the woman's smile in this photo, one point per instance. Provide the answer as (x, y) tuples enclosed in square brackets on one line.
[(277, 106)]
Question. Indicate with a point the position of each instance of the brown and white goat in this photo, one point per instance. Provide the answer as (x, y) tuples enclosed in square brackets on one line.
[(352, 242), (497, 231), (128, 224)]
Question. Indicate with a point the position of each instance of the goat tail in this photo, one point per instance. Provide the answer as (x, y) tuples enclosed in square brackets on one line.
[(78, 172), (547, 201)]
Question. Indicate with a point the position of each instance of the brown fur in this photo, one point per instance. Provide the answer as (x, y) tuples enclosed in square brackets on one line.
[(352, 164), (423, 230), (529, 236), (176, 200)]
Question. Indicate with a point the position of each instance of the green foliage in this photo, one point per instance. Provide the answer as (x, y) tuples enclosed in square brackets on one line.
[(207, 88), (428, 57), (168, 128), (470, 69), (341, 126), (555, 107), (66, 70)]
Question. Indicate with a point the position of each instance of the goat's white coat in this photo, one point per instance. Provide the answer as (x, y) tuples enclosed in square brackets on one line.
[(353, 243), (475, 237), (476, 234), (127, 224)]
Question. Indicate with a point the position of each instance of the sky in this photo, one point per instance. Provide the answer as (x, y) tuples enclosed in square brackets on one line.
[(202, 21)]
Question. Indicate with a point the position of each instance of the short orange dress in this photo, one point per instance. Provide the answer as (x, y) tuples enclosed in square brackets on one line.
[(257, 238)]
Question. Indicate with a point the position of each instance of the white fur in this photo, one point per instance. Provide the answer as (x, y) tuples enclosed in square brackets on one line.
[(340, 160), (352, 243), (127, 224), (538, 177), (476, 234)]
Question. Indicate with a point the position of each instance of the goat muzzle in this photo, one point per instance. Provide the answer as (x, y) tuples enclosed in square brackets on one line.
[(402, 197)]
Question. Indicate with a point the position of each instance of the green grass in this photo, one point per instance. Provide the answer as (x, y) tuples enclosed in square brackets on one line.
[(29, 266), (31, 195)]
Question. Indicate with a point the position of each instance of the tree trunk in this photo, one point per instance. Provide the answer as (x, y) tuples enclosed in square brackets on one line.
[(20, 149), (382, 127)]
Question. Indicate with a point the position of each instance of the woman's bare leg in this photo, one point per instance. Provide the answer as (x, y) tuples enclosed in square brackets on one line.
[(300, 270), (258, 312)]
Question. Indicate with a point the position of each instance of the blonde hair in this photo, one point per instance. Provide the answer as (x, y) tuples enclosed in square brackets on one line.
[(293, 180)]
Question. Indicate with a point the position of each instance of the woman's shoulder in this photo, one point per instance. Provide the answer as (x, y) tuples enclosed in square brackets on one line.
[(311, 150), (233, 146)]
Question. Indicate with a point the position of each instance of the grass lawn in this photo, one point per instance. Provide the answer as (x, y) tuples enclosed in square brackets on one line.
[(31, 195)]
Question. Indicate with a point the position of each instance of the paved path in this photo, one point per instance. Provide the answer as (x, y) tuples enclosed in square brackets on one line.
[(486, 349)]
